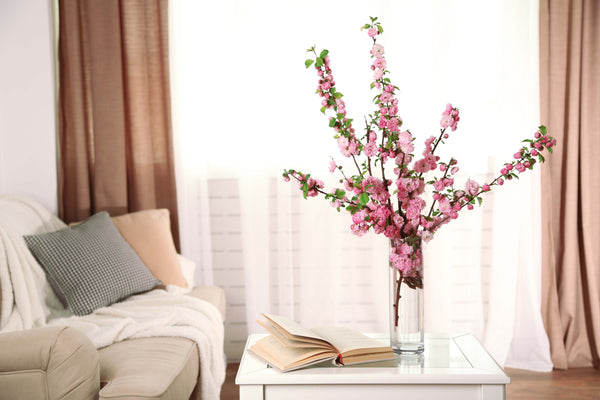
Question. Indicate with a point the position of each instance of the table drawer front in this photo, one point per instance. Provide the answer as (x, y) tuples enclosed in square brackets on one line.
[(361, 392)]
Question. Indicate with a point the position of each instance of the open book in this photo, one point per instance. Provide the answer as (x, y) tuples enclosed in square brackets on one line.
[(291, 346)]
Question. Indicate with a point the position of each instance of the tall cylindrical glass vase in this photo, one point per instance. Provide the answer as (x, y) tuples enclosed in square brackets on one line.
[(406, 306)]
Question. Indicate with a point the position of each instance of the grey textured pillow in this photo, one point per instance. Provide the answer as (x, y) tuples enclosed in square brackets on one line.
[(90, 265)]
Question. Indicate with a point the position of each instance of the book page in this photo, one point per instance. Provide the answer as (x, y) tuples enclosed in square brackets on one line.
[(291, 329), (289, 340), (350, 342), (272, 351)]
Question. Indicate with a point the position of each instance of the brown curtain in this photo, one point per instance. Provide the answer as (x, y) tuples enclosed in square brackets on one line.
[(570, 105), (116, 148)]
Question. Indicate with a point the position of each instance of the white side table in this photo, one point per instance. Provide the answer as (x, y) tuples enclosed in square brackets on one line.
[(451, 368)]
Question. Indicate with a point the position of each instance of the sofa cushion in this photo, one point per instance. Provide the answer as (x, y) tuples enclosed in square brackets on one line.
[(149, 368), (148, 232), (90, 264)]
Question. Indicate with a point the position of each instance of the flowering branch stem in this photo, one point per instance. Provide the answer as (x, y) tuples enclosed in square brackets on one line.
[(397, 283), (357, 167), (443, 177)]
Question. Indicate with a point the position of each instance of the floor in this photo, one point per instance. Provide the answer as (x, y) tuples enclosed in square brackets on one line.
[(572, 384)]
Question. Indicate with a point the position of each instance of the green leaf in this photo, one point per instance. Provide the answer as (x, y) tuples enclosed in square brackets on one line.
[(542, 159), (550, 149), (332, 122), (351, 209), (308, 63), (365, 26), (542, 129), (338, 95), (380, 28), (364, 198), (323, 109), (319, 62), (324, 53), (479, 200), (340, 194)]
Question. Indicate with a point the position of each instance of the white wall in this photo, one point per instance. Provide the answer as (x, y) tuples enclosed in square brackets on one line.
[(27, 104)]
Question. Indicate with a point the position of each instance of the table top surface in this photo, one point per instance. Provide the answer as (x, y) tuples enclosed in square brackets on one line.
[(447, 359)]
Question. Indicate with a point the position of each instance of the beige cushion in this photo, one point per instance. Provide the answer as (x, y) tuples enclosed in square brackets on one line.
[(149, 368), (148, 232), (48, 363)]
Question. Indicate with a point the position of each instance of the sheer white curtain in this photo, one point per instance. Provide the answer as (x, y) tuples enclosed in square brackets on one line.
[(245, 109)]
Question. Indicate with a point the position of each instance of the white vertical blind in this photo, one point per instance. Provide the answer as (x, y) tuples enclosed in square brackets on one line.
[(245, 109)]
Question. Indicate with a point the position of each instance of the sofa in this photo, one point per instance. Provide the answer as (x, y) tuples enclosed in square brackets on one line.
[(64, 334)]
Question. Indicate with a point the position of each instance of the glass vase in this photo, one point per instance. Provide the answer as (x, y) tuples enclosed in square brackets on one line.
[(406, 306)]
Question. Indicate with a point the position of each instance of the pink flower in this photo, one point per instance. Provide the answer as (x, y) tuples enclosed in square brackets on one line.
[(485, 187), (404, 137), (332, 166), (520, 167), (397, 219), (426, 235), (359, 230), (471, 187), (446, 121), (444, 205), (391, 231), (406, 249), (386, 97), (359, 217), (377, 74), (377, 50), (421, 166), (373, 32), (371, 149), (500, 181), (347, 146), (380, 63), (393, 124), (429, 141)]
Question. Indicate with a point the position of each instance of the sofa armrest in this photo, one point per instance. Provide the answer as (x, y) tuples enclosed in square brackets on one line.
[(213, 294), (48, 363)]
